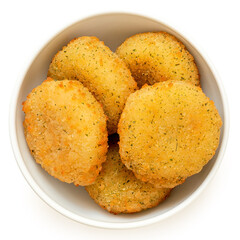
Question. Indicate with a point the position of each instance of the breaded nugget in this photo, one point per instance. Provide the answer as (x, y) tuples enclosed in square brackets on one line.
[(168, 132), (118, 191), (158, 56), (65, 129), (100, 70)]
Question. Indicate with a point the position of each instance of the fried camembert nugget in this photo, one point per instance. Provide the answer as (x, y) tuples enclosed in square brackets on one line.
[(158, 56), (168, 132), (100, 70), (65, 129), (118, 191)]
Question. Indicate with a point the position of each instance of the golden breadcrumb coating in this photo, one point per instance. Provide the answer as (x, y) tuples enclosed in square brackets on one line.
[(158, 56), (118, 191), (65, 129), (168, 132), (100, 70)]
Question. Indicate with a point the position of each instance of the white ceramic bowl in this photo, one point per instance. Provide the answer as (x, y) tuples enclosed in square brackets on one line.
[(72, 201)]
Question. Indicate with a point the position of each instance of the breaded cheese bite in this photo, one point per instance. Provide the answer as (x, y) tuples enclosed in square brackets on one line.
[(168, 132), (107, 77), (117, 190), (65, 129), (158, 56)]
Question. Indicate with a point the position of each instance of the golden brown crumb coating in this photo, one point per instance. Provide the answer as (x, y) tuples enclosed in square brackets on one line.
[(65, 129), (100, 70), (118, 191), (168, 132), (158, 56)]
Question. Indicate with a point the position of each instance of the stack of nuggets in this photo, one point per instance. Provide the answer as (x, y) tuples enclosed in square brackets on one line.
[(168, 130)]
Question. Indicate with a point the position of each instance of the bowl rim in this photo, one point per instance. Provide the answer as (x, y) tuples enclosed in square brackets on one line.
[(102, 224)]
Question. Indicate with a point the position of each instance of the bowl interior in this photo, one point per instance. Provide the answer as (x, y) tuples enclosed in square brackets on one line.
[(113, 29)]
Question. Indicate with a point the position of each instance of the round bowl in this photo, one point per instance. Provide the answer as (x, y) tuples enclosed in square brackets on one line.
[(74, 202)]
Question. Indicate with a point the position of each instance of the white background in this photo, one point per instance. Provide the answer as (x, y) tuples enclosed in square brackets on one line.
[(25, 26)]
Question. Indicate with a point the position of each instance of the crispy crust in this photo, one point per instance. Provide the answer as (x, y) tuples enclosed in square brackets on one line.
[(158, 56), (65, 129), (100, 70), (168, 132), (117, 190)]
